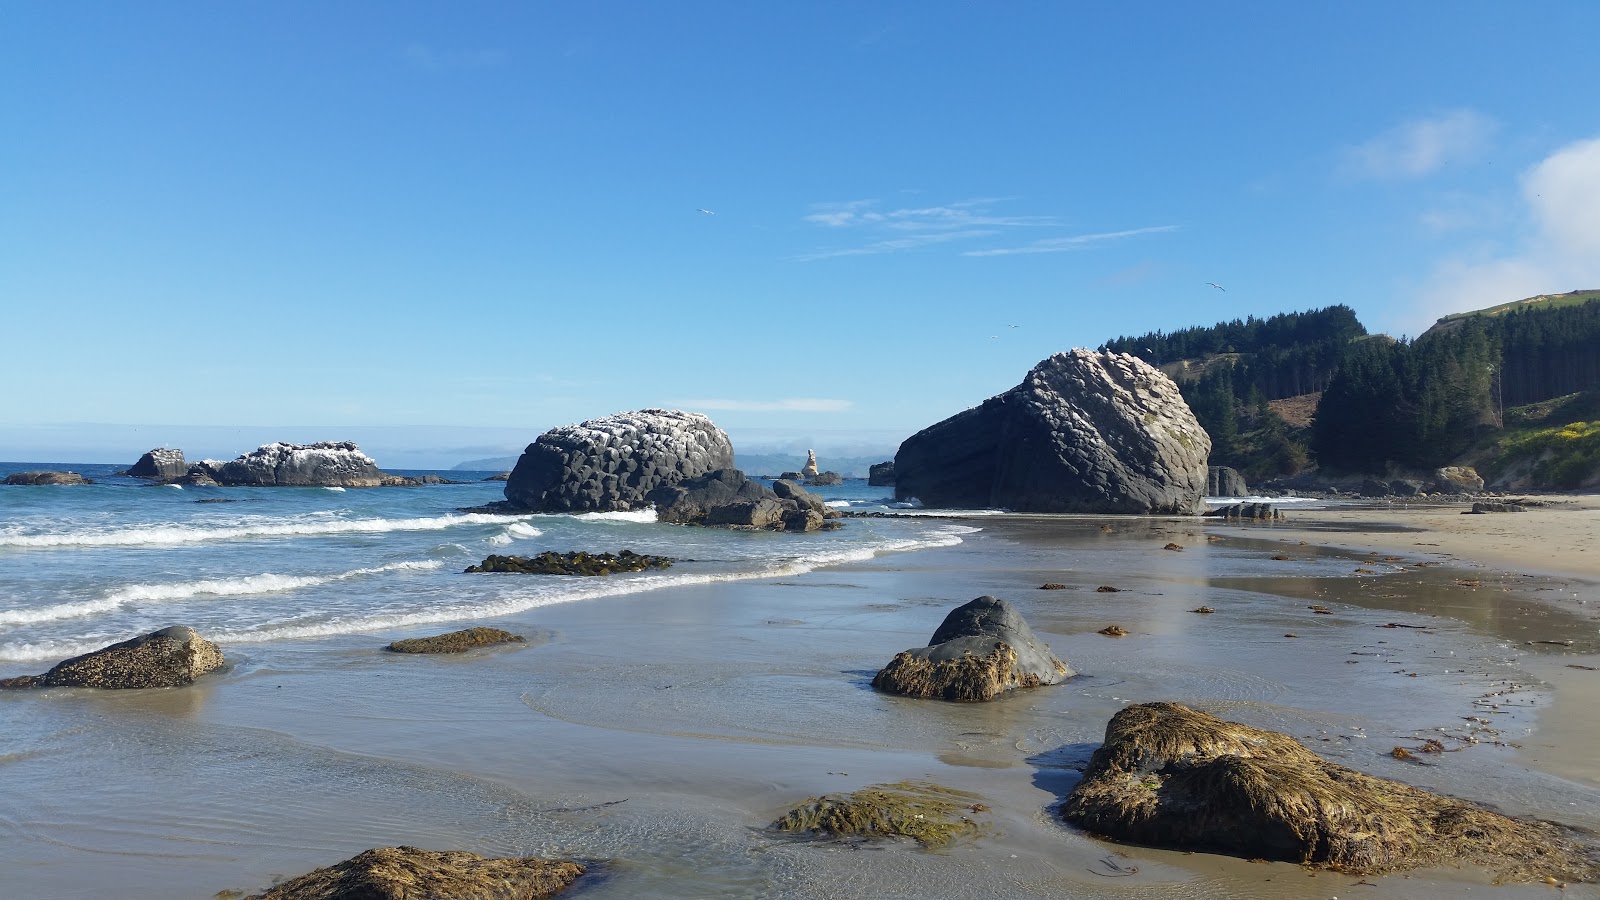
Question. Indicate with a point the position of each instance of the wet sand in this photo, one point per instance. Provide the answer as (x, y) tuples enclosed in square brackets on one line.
[(657, 735)]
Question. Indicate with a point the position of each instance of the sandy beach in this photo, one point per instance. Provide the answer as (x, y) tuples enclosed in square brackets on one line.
[(657, 735)]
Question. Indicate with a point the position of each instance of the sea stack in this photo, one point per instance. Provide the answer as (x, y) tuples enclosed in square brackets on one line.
[(809, 470), (1085, 432)]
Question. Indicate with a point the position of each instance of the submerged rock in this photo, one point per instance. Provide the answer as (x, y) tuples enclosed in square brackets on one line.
[(612, 463), (575, 563), (42, 478), (1172, 777), (456, 641), (1084, 432), (408, 873), (983, 649), (172, 657), (930, 814)]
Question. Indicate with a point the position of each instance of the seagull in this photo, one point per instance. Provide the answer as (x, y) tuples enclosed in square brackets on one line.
[(1212, 283), (707, 211)]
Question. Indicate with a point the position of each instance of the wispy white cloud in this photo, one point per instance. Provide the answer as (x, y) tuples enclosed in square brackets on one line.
[(422, 56), (900, 229), (1071, 242), (1558, 251), (1420, 147), (791, 404), (896, 245)]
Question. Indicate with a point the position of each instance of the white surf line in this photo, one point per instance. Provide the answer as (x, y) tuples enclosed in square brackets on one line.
[(152, 535)]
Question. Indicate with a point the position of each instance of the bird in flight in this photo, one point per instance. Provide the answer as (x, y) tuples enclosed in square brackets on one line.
[(707, 211), (1212, 283)]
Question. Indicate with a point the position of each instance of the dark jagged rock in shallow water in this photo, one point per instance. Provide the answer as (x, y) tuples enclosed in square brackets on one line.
[(825, 479), (161, 464), (1172, 777), (612, 463), (456, 641), (172, 657), (1223, 481), (46, 478), (574, 563), (409, 873), (881, 474), (1084, 432), (726, 497), (982, 649), (1260, 511)]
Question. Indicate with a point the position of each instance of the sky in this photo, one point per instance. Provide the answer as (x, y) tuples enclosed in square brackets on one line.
[(441, 230)]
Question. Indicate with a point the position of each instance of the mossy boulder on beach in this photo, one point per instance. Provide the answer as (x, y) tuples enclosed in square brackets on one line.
[(576, 563), (983, 649), (1173, 777), (930, 814), (456, 641), (172, 657), (409, 873)]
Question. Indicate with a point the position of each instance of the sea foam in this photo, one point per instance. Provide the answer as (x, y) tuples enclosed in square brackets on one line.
[(166, 534)]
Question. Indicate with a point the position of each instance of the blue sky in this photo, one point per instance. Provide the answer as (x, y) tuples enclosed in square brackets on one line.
[(447, 229)]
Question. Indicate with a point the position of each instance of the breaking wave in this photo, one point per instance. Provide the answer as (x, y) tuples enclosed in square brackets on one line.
[(167, 534)]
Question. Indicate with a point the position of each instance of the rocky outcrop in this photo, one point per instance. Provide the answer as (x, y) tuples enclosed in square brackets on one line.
[(726, 497), (323, 464), (881, 474), (456, 641), (613, 463), (408, 873), (1223, 481), (40, 477), (1495, 506), (1257, 511), (1172, 777), (161, 464), (172, 657), (809, 470), (1085, 432), (1456, 480), (983, 649), (574, 563)]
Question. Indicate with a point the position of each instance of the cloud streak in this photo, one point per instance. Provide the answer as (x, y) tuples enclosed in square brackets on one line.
[(791, 404), (1420, 147), (1072, 242)]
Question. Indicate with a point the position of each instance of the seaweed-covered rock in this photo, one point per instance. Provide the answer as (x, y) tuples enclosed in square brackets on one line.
[(930, 814), (172, 657), (612, 463), (408, 873), (575, 563), (983, 649), (1085, 432), (1169, 776), (161, 464), (40, 477), (456, 641)]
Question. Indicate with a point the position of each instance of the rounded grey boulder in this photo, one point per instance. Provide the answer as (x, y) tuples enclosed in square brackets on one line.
[(172, 657), (611, 463), (983, 649), (1085, 432)]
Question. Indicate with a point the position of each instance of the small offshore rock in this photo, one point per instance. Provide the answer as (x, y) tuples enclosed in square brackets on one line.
[(1052, 586), (1173, 547), (881, 474), (983, 649), (1203, 609), (456, 641), (46, 478), (1107, 589), (1113, 631), (409, 873), (172, 657), (161, 464), (577, 562)]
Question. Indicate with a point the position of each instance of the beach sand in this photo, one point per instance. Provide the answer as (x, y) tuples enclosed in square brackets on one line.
[(658, 734)]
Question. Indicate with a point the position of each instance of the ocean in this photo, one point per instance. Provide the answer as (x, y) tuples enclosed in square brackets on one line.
[(654, 724)]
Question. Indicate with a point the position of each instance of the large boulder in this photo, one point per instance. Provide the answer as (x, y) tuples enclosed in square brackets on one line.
[(409, 873), (880, 474), (612, 463), (1224, 481), (1456, 480), (172, 657), (40, 477), (1172, 777), (1085, 432), (161, 464), (983, 649), (323, 464)]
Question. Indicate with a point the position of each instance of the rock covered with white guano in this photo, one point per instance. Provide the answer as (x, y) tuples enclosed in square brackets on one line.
[(162, 464), (611, 463), (1085, 432), (323, 464)]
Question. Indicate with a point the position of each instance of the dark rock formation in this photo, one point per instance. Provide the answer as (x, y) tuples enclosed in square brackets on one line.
[(982, 649), (323, 464), (407, 873), (1169, 776), (825, 479), (172, 657), (503, 476), (1496, 506), (881, 474), (574, 563), (1222, 481), (162, 464), (726, 497), (1405, 487), (26, 478), (1245, 511), (1084, 432), (612, 463), (456, 641), (1372, 488)]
